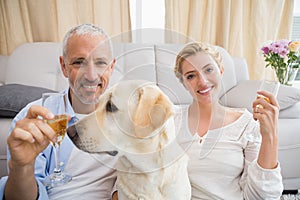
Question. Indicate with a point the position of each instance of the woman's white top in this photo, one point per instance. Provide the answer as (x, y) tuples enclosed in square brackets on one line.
[(223, 163)]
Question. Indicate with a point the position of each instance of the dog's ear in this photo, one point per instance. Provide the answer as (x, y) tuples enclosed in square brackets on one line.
[(153, 109)]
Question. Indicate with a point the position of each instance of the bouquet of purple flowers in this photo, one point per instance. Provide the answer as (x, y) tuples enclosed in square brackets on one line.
[(284, 57)]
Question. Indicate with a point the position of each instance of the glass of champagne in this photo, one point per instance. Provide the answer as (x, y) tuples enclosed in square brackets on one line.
[(271, 86), (268, 85), (57, 104)]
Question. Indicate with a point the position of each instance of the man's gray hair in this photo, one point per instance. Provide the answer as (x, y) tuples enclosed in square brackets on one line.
[(85, 29)]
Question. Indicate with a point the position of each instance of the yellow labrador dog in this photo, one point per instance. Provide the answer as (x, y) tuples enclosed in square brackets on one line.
[(134, 121)]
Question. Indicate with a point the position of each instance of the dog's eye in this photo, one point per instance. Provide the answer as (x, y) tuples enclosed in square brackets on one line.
[(110, 107)]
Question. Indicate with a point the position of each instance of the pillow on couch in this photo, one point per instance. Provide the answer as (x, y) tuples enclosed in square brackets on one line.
[(13, 97), (244, 93)]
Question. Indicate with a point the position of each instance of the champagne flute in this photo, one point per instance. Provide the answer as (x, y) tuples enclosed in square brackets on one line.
[(57, 104), (271, 86)]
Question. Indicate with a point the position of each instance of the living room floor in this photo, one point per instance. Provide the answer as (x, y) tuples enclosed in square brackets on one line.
[(290, 197)]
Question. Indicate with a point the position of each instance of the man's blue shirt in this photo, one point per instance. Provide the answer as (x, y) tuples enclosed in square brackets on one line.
[(44, 164)]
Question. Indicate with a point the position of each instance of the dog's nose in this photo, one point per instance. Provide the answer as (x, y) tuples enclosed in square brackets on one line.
[(72, 133), (112, 153)]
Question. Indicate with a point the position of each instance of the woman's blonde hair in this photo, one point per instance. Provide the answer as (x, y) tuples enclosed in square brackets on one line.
[(192, 49)]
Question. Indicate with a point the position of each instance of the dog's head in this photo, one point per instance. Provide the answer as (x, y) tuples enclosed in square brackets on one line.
[(132, 117)]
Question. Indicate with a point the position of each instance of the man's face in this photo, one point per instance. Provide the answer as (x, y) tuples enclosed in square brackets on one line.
[(88, 66)]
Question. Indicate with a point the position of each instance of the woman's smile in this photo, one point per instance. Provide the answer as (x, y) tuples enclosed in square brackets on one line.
[(205, 90)]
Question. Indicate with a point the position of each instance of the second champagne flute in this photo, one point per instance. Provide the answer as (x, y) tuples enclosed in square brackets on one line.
[(271, 86), (57, 104)]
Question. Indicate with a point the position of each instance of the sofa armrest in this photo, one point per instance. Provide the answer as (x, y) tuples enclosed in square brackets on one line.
[(241, 69), (244, 93), (291, 112), (288, 152), (3, 64), (4, 132)]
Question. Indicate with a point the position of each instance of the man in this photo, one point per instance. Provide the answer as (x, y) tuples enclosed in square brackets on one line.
[(87, 62)]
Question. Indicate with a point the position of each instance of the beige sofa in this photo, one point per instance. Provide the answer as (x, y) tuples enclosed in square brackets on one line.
[(37, 64)]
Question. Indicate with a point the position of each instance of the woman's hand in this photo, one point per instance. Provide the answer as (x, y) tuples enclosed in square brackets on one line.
[(266, 112)]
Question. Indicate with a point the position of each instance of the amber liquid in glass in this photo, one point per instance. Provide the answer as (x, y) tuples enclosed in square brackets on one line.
[(59, 125), (263, 97)]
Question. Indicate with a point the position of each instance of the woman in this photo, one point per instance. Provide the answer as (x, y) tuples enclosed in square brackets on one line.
[(233, 154)]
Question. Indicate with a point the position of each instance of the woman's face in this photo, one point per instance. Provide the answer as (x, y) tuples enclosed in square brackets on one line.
[(201, 77)]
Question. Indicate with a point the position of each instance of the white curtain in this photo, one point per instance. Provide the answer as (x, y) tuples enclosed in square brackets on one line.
[(24, 21), (240, 26)]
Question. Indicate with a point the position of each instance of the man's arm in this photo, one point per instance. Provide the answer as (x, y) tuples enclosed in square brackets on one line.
[(29, 137), (21, 179)]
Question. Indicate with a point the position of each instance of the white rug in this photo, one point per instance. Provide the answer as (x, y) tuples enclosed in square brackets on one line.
[(290, 197)]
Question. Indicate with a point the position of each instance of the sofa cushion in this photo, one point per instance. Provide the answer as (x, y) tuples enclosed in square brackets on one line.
[(3, 66), (165, 57), (229, 77), (13, 97), (244, 93), (36, 64), (291, 112), (133, 61)]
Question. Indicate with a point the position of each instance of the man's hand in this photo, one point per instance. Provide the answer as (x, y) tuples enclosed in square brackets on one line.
[(30, 136)]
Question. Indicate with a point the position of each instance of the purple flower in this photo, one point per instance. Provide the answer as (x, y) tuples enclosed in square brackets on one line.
[(274, 47), (284, 43), (283, 52), (280, 54), (265, 49), (280, 47)]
